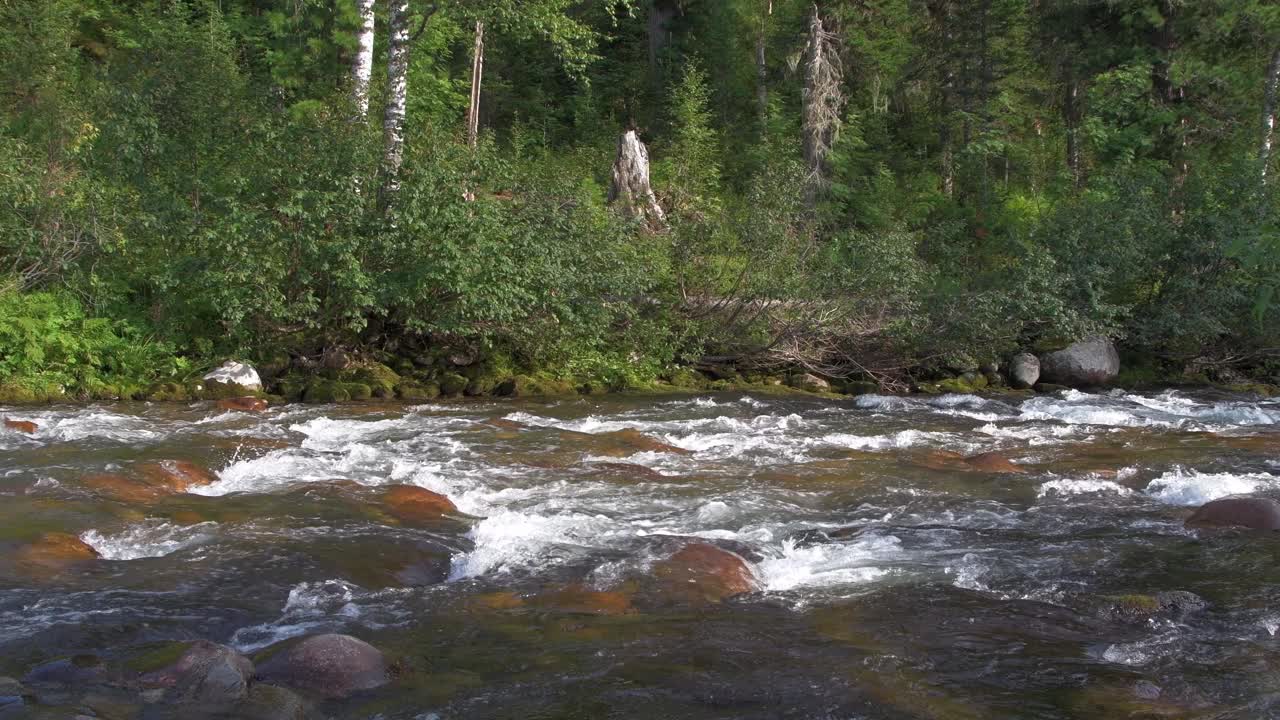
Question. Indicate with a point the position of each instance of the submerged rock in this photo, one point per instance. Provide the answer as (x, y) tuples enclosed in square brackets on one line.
[(271, 702), (580, 600), (22, 426), (1092, 361), (628, 442), (53, 552), (243, 404), (1140, 608), (330, 666), (412, 503), (176, 475), (206, 674), (235, 374), (1248, 512), (1024, 371), (993, 462), (75, 671), (700, 571)]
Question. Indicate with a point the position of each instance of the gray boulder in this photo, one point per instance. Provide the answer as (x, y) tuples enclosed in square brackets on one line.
[(1248, 512), (235, 373), (1024, 370), (330, 666), (1092, 361), (206, 674), (810, 382)]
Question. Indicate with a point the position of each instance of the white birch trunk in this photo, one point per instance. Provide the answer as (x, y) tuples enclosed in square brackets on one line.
[(397, 95), (629, 189), (1269, 112), (362, 63), (477, 78)]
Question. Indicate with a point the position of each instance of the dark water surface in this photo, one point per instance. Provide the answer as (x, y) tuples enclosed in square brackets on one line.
[(895, 580)]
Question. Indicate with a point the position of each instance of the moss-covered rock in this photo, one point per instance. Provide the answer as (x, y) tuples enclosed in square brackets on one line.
[(15, 394), (358, 391), (686, 379), (167, 392), (453, 384), (482, 385), (380, 379), (324, 390), (414, 391)]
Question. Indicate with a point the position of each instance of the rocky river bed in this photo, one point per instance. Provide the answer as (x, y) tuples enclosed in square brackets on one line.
[(723, 556)]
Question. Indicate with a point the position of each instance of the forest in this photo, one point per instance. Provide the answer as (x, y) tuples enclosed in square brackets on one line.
[(454, 193)]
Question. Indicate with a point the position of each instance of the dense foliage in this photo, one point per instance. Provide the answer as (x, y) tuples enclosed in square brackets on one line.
[(185, 180)]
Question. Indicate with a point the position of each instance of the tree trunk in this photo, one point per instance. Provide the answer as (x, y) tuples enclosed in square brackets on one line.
[(762, 65), (940, 16), (660, 13), (629, 189), (397, 96), (477, 76), (1073, 111), (1269, 112), (823, 103), (1171, 94), (362, 62)]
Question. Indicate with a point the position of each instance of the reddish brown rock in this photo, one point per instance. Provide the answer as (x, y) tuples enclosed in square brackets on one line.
[(176, 475), (124, 489), (331, 666), (579, 600), (629, 470), (496, 601), (702, 571), (412, 503), (505, 424), (627, 442), (992, 462), (243, 404), (52, 552), (1247, 512), (22, 426)]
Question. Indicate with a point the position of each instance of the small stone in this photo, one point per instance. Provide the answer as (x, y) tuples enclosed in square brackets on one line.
[(22, 426), (1247, 512), (243, 404)]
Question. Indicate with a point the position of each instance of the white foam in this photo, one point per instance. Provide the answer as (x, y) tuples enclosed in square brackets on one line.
[(509, 540), (1088, 486), (1190, 487), (828, 564), (147, 540), (899, 440)]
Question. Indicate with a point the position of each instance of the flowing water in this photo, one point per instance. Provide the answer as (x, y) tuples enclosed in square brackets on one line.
[(894, 579)]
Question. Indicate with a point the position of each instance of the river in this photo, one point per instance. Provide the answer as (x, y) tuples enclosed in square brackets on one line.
[(892, 577)]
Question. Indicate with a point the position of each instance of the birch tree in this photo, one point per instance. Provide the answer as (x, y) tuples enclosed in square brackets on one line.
[(398, 48), (362, 61), (1269, 112)]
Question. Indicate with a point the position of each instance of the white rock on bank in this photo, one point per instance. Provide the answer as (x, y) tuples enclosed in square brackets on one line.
[(236, 373)]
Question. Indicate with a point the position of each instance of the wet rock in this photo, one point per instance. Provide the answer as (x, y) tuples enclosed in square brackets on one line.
[(1024, 370), (1248, 512), (505, 424), (243, 404), (124, 489), (992, 462), (810, 382), (411, 503), (53, 552), (628, 442), (206, 674), (496, 601), (630, 471), (1092, 361), (701, 571), (235, 374), (22, 426), (75, 671), (271, 702), (176, 475), (330, 666), (579, 600), (1140, 608)]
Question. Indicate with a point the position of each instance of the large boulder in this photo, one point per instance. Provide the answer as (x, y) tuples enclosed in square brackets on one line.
[(330, 666), (411, 503), (1092, 361), (810, 382), (206, 674), (1248, 512), (235, 373), (1024, 370)]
